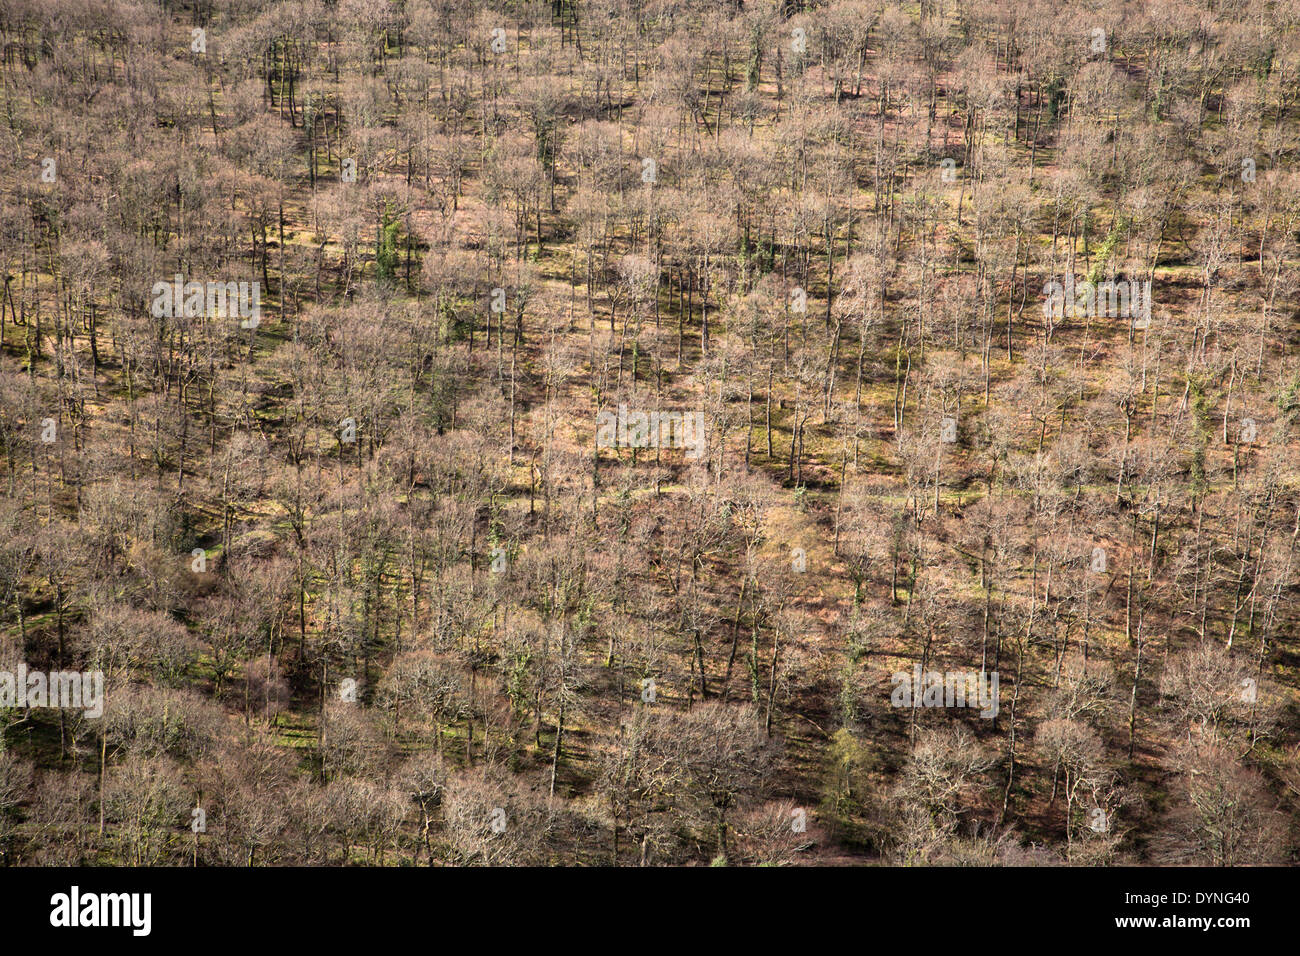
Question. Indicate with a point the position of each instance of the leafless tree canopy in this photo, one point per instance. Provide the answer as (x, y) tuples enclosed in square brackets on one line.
[(649, 432)]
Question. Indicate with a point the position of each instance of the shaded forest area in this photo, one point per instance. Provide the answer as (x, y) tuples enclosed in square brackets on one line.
[(367, 587)]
